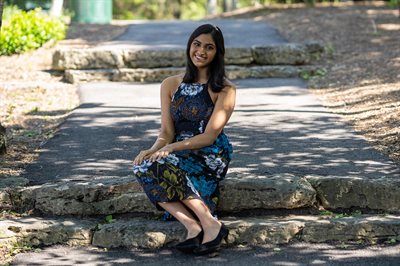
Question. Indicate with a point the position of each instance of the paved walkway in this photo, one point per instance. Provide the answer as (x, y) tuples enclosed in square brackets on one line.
[(294, 254), (278, 127), (174, 34)]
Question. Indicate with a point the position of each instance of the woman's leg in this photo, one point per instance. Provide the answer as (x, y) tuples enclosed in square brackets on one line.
[(211, 226), (180, 212)]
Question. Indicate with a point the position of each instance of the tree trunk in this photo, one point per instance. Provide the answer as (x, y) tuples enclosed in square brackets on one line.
[(1, 12), (56, 8), (3, 148), (177, 13), (212, 7), (230, 5)]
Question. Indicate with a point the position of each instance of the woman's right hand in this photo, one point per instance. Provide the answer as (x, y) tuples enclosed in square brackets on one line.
[(143, 155)]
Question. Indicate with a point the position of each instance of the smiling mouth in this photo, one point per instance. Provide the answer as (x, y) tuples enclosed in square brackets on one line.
[(199, 58)]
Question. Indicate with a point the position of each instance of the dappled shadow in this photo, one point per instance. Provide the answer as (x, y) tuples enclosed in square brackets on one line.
[(95, 144), (294, 254), (283, 129), (275, 129)]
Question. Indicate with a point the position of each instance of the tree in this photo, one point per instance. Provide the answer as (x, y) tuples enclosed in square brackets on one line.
[(230, 5), (1, 12), (212, 6), (3, 148), (56, 8)]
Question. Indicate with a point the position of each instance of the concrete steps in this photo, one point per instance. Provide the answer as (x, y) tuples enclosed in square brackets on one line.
[(107, 63), (142, 232)]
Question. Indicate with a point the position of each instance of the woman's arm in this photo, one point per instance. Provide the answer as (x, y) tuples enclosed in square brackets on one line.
[(167, 131), (222, 112)]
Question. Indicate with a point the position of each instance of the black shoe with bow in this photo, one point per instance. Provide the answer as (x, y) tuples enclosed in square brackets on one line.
[(214, 245), (190, 244)]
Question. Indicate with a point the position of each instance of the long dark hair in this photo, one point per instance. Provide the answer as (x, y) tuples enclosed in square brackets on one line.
[(216, 69)]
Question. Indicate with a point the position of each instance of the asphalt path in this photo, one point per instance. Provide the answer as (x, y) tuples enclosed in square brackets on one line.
[(277, 127), (161, 35), (287, 255)]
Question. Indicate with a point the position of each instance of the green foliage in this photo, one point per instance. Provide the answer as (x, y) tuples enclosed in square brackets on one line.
[(307, 74), (325, 213), (155, 9), (9, 11), (332, 215), (107, 220), (391, 241), (194, 10), (394, 3), (23, 31)]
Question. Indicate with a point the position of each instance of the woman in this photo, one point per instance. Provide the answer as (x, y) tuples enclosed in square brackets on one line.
[(180, 173)]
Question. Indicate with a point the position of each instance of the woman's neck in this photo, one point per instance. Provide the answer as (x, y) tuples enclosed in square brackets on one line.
[(202, 75)]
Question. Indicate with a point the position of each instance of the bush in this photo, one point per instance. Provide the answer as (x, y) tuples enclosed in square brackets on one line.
[(25, 31)]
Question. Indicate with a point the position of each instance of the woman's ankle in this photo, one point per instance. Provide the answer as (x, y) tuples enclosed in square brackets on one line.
[(193, 230)]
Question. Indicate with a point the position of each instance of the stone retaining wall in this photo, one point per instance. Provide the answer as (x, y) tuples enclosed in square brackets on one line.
[(104, 58)]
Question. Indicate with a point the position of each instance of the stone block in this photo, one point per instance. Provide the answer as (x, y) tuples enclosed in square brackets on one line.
[(238, 56), (138, 233), (336, 192), (40, 231), (146, 75), (92, 58), (89, 75), (246, 192), (282, 54), (89, 198), (9, 192), (154, 59), (242, 72), (366, 228)]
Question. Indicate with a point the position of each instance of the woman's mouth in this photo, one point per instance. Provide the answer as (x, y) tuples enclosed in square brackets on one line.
[(199, 58)]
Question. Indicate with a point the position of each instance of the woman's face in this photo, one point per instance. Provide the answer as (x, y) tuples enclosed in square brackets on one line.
[(202, 50)]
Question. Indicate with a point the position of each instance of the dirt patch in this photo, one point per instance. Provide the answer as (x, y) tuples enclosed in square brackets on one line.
[(363, 63), (35, 100)]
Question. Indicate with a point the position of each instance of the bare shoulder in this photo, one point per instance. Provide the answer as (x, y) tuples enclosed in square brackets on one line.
[(171, 83), (229, 86), (173, 80)]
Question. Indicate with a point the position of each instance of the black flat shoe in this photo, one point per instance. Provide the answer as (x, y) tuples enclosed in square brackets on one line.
[(190, 244), (214, 245)]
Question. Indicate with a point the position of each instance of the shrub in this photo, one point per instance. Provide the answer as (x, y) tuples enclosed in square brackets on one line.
[(25, 31)]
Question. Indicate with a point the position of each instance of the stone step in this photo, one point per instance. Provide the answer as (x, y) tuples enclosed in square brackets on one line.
[(116, 58), (239, 192), (140, 232), (124, 195), (345, 192), (159, 74)]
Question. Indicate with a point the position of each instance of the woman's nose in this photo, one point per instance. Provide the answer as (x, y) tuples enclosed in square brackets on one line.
[(203, 50)]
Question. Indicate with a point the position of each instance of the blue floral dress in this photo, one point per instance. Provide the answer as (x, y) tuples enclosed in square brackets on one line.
[(188, 174)]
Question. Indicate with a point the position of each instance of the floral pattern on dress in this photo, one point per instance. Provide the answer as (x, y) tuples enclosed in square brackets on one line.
[(193, 173)]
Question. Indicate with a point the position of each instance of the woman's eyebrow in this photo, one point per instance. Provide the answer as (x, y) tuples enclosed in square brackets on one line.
[(195, 40)]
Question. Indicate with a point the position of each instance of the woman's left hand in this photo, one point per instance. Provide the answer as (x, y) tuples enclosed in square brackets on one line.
[(161, 153)]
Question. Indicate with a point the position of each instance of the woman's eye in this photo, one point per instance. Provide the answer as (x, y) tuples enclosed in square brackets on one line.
[(196, 44), (210, 48)]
